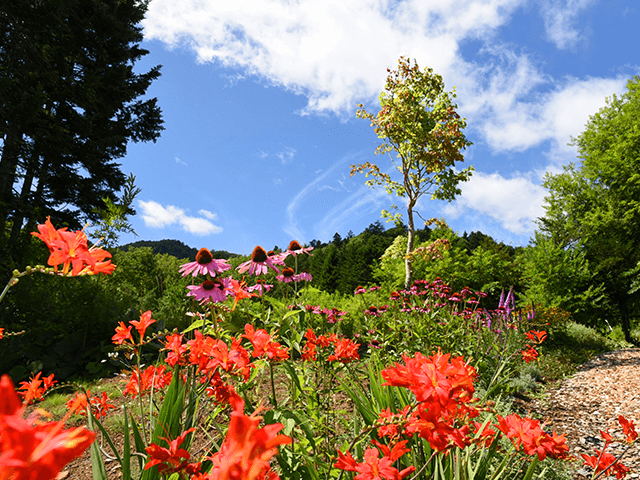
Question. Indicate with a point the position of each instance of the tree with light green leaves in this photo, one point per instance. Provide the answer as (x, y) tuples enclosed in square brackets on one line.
[(593, 207), (418, 122)]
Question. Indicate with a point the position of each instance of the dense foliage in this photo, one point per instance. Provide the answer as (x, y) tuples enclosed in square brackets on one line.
[(592, 217), (70, 103)]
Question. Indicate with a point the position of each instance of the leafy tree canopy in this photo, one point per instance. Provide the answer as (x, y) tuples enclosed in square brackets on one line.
[(418, 122), (593, 207)]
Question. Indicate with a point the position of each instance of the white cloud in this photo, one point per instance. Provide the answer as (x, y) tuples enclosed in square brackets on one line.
[(180, 161), (512, 202), (286, 155), (559, 17), (329, 51), (157, 216), (208, 214), (516, 124)]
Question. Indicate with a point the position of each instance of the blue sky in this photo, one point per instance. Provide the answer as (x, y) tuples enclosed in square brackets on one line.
[(259, 101)]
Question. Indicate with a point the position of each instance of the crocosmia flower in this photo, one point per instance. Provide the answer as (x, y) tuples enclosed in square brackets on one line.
[(30, 451), (247, 449), (204, 264), (173, 459), (71, 250)]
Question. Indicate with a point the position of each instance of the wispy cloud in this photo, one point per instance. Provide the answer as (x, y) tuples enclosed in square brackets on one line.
[(180, 161), (291, 228), (157, 216), (559, 18), (286, 155), (363, 202)]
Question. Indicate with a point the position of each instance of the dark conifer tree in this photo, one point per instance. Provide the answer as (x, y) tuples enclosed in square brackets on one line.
[(70, 102)]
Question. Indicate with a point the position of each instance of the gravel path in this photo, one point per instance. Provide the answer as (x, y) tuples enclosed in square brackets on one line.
[(591, 400)]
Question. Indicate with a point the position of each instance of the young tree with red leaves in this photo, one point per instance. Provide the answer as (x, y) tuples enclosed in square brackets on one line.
[(418, 121)]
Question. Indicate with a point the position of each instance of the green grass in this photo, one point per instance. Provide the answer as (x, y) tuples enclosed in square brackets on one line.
[(578, 344)]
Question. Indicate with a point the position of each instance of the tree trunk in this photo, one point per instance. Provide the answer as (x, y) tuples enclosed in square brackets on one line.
[(411, 233), (626, 323), (24, 202), (8, 165)]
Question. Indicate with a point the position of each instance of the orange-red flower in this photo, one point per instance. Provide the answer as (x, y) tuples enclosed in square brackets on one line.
[(142, 324), (536, 336), (123, 333), (71, 250), (239, 292), (34, 451), (263, 344), (605, 462), (628, 428), (247, 449), (34, 389), (176, 349), (530, 354), (373, 467), (528, 434), (151, 377), (345, 351), (172, 459), (100, 405)]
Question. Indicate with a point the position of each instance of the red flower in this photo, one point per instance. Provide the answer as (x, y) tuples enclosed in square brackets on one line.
[(530, 355), (158, 378), (34, 389), (264, 345), (536, 336), (373, 467), (247, 449), (40, 451), (434, 379), (70, 249), (628, 428), (122, 334), (172, 459), (528, 434), (143, 323), (177, 350), (345, 351), (239, 293), (605, 462)]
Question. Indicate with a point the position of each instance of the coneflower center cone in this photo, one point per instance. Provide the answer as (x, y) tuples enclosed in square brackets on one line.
[(294, 245), (287, 272), (209, 284), (259, 255), (203, 257)]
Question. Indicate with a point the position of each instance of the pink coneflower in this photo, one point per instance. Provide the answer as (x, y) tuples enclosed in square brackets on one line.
[(205, 263), (304, 276), (260, 287), (260, 263), (288, 275), (360, 290), (213, 290), (295, 249)]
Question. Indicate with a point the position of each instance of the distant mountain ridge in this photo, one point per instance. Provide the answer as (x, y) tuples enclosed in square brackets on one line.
[(175, 248)]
